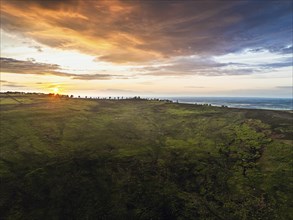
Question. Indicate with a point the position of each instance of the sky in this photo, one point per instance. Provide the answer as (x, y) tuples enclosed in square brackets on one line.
[(148, 48)]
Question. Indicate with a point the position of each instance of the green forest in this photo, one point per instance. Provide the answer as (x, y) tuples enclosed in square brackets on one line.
[(75, 158)]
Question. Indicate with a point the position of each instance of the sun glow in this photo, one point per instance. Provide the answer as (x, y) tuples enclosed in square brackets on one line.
[(56, 90)]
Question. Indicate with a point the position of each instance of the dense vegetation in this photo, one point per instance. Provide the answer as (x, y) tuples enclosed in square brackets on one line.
[(64, 158)]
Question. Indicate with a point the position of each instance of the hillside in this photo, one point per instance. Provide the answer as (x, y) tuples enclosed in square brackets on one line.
[(65, 158)]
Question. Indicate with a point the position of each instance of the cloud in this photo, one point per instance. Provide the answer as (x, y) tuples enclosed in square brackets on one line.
[(93, 76), (29, 67), (51, 4), (229, 72), (38, 48), (124, 92), (283, 63), (183, 63), (284, 87), (9, 65), (208, 66), (119, 91), (195, 65), (145, 83), (11, 84), (144, 31), (195, 87), (15, 85)]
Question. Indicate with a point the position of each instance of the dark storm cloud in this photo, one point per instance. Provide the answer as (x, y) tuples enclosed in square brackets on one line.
[(137, 31), (9, 65)]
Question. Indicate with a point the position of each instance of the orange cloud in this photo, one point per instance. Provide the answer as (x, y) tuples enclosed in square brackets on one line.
[(88, 28), (141, 31)]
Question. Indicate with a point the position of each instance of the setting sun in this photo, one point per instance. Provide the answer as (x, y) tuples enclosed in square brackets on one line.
[(56, 90)]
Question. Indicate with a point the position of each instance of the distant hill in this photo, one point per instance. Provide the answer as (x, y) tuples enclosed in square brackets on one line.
[(70, 158)]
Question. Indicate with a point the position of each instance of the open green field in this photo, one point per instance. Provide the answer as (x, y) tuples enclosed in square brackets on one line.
[(64, 158)]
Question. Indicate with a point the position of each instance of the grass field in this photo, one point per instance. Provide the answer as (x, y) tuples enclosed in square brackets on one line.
[(65, 158)]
